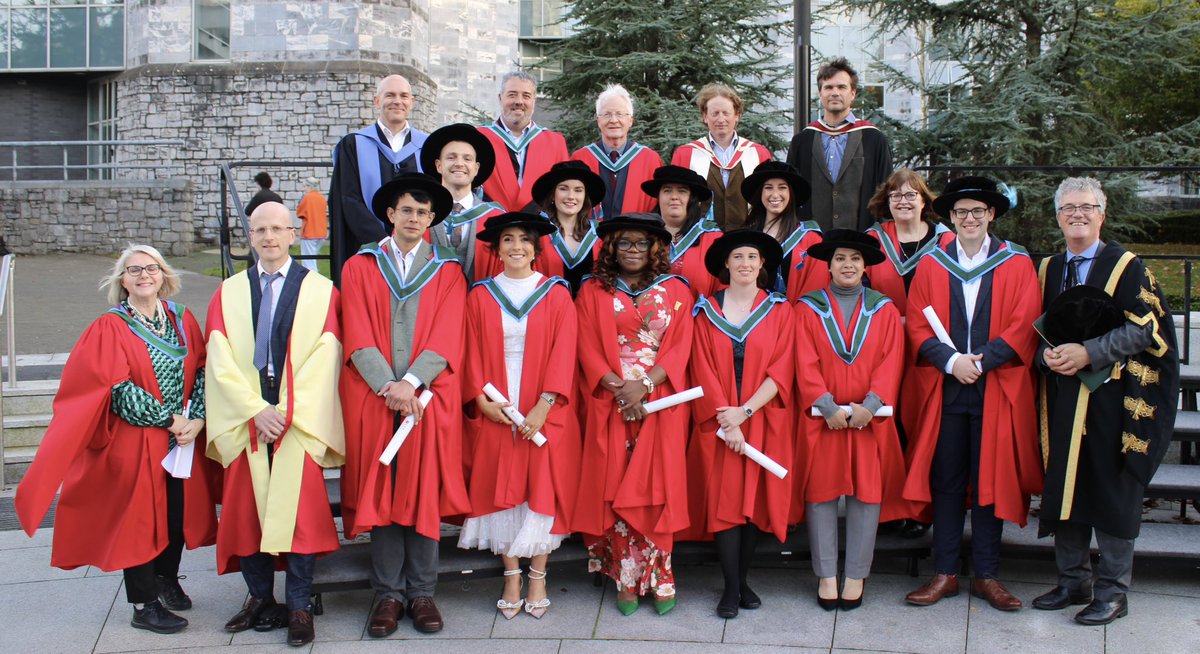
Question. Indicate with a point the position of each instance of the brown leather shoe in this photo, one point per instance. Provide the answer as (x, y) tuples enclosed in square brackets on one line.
[(300, 627), (937, 588), (384, 617), (251, 611), (996, 594), (425, 615)]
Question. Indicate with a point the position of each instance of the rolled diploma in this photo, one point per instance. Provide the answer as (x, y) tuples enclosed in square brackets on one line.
[(758, 457), (178, 462), (402, 432), (671, 400), (883, 412), (495, 395), (939, 330)]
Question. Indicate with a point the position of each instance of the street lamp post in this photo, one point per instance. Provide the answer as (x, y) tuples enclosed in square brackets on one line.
[(802, 27)]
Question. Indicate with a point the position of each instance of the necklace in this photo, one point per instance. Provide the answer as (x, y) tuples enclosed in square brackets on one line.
[(157, 324)]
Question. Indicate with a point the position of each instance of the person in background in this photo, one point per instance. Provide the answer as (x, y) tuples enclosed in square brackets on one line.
[(313, 213), (621, 163), (264, 194)]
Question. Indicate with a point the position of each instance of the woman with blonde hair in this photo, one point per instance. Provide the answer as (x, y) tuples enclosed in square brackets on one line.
[(132, 393)]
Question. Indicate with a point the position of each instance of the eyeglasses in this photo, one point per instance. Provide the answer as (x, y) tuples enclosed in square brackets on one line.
[(1085, 209), (978, 213), (408, 212), (619, 115), (625, 245), (273, 231), (910, 196), (136, 271)]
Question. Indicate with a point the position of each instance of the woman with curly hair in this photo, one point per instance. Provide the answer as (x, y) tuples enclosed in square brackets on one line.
[(634, 341), (907, 230)]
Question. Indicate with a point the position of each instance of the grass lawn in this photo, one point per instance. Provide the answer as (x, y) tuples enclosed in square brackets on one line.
[(1170, 273)]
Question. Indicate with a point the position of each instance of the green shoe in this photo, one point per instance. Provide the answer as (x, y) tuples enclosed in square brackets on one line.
[(627, 608), (663, 607)]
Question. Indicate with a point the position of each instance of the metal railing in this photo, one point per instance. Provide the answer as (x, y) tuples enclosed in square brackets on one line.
[(7, 268), (106, 168)]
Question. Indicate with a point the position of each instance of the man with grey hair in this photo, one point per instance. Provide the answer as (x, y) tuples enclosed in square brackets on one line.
[(524, 150), (622, 164), (1111, 372), (365, 160)]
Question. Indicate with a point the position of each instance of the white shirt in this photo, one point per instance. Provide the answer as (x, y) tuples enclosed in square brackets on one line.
[(970, 290), (518, 291), (404, 262), (466, 202), (276, 289), (517, 136), (395, 141)]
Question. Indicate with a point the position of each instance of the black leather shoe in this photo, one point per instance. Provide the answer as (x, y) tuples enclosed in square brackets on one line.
[(171, 594), (251, 611), (272, 618), (1061, 598), (1100, 612), (155, 617), (913, 529), (728, 606), (749, 599), (300, 627)]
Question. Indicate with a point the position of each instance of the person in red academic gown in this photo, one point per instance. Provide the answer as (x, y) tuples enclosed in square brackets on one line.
[(742, 357), (774, 190), (131, 391), (633, 347), (521, 337), (850, 347), (402, 315), (567, 194), (524, 150), (683, 202), (977, 432), (621, 163)]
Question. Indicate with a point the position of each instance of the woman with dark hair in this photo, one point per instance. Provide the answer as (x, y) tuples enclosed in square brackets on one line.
[(774, 191), (907, 230), (264, 194), (742, 357), (850, 347), (521, 339), (683, 201), (567, 194), (634, 343)]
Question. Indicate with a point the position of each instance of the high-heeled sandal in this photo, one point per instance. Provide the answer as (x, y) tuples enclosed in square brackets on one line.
[(510, 610), (537, 609)]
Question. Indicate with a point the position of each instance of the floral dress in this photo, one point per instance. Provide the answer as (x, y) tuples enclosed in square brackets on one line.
[(628, 557)]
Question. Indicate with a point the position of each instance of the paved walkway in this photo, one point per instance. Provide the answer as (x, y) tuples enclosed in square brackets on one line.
[(43, 609)]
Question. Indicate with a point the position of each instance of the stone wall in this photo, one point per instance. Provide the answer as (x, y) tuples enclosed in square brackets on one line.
[(96, 217)]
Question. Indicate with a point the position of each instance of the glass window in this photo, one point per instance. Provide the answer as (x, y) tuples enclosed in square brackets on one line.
[(212, 29), (28, 38), (106, 37), (68, 38), (3, 35)]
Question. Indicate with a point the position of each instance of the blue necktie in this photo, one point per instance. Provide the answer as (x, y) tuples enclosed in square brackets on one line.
[(1073, 271), (262, 334)]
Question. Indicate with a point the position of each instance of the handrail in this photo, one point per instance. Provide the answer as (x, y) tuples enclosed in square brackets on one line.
[(7, 268), (104, 166)]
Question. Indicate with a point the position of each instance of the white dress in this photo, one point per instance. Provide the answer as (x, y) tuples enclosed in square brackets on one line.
[(517, 532)]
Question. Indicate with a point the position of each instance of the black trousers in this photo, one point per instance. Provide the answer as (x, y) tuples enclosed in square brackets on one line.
[(140, 585)]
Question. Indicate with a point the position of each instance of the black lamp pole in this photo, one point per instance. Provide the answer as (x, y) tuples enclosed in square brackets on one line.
[(802, 26)]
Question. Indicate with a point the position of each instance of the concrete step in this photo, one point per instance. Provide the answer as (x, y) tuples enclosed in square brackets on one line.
[(16, 462), (30, 397), (1187, 426), (25, 431), (1157, 540), (1174, 481)]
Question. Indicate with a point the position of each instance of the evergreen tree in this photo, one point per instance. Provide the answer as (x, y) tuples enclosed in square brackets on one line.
[(663, 52), (1045, 82)]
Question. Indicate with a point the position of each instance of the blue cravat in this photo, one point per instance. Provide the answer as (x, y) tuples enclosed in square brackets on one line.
[(262, 334)]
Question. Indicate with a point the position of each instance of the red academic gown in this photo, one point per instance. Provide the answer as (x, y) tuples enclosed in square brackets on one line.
[(648, 489), (727, 489), (507, 471), (641, 169), (550, 262), (1010, 463), (429, 478), (729, 207), (112, 512), (884, 277), (868, 463), (545, 150), (690, 266), (805, 274)]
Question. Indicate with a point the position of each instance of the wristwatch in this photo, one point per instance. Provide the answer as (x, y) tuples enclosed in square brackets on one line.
[(550, 398), (748, 410)]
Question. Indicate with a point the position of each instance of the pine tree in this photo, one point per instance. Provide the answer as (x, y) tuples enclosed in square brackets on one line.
[(663, 52), (1040, 86)]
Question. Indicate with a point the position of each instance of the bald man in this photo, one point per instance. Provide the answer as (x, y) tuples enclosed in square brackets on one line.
[(365, 160)]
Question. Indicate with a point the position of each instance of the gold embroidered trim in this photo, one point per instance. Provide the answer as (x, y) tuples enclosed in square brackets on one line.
[(1139, 408), (1145, 295), (1129, 442), (1150, 279), (1144, 373)]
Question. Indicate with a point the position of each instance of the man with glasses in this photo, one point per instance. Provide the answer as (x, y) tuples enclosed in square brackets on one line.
[(1109, 399), (362, 162), (274, 353), (978, 434), (622, 164), (403, 308), (524, 150)]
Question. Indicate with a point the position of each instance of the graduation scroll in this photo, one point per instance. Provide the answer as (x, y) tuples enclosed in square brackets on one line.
[(402, 432), (495, 395), (755, 455), (672, 400), (883, 412)]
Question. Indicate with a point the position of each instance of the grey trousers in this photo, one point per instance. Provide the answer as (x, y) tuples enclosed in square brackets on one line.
[(1072, 544), (404, 564), (862, 521)]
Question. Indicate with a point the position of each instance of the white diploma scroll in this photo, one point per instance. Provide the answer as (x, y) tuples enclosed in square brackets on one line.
[(883, 412), (758, 457), (178, 462), (672, 400), (402, 432), (495, 395), (939, 330)]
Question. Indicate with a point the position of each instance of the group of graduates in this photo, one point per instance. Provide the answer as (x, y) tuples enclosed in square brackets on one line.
[(532, 345)]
